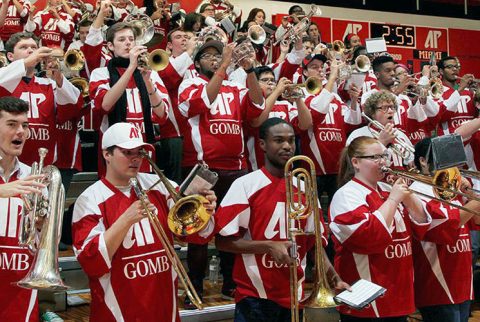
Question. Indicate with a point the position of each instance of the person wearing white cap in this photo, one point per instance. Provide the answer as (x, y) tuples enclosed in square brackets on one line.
[(115, 243)]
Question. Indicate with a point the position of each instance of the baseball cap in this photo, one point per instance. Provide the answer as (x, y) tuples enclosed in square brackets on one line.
[(307, 60), (218, 45), (124, 135)]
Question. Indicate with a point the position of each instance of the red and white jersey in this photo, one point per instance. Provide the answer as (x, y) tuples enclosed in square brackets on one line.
[(255, 155), (369, 83), (93, 52), (69, 148), (455, 109), (324, 140), (255, 208), (366, 247), (140, 274), (472, 150), (215, 133), (49, 105), (173, 76), (443, 260), (52, 31), (16, 303), (14, 20)]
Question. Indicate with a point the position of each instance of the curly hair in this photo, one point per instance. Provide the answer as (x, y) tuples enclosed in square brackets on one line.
[(372, 102)]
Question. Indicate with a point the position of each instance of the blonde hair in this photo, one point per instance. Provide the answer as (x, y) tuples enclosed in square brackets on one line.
[(371, 103), (356, 148)]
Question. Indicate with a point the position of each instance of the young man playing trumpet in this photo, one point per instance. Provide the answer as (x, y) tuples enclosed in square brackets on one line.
[(52, 100), (126, 92), (131, 278), (16, 304)]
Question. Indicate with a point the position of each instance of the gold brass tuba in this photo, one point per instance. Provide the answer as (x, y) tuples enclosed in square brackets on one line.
[(44, 273), (188, 215), (169, 250), (74, 59), (298, 209)]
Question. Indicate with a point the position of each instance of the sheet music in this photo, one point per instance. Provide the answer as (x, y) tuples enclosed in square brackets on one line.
[(363, 292)]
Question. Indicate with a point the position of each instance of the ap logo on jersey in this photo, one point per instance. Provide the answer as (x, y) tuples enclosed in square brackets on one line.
[(432, 39), (140, 233)]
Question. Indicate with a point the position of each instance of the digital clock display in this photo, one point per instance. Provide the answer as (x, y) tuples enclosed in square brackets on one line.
[(394, 35)]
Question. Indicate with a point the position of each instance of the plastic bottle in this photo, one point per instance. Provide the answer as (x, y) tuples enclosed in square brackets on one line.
[(51, 317), (213, 270)]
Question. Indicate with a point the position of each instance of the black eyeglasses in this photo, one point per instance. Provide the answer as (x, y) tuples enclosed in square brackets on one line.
[(375, 157)]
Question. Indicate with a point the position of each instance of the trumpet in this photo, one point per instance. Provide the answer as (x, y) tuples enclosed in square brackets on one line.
[(295, 32), (156, 60), (169, 250), (400, 147), (433, 88), (3, 60), (74, 59), (445, 184), (44, 272), (313, 85), (300, 205), (82, 84)]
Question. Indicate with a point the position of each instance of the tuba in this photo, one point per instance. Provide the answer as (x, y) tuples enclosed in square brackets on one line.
[(304, 181), (44, 272)]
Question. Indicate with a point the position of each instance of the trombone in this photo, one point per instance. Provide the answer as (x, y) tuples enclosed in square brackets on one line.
[(169, 250), (400, 147), (445, 184), (302, 203)]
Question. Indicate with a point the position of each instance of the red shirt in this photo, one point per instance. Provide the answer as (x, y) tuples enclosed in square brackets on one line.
[(215, 133), (254, 207), (16, 304), (52, 31), (455, 109), (365, 247), (14, 20)]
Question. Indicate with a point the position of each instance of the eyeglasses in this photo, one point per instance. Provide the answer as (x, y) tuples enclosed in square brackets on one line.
[(209, 9), (211, 57), (375, 157), (267, 80), (453, 66), (385, 108)]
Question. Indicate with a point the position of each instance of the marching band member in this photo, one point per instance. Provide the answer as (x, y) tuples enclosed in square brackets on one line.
[(16, 13), (332, 120), (407, 116), (252, 224), (170, 152), (221, 9), (52, 100), (373, 225), (124, 92), (442, 260), (457, 101), (216, 110), (352, 41), (52, 25), (130, 276), (16, 304), (295, 113), (381, 106)]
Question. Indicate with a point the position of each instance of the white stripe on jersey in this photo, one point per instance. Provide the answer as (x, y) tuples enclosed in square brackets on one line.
[(109, 297), (252, 270), (31, 304), (363, 269), (196, 137), (430, 250)]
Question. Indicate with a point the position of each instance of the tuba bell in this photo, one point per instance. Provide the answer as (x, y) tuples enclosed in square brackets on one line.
[(257, 34), (44, 272)]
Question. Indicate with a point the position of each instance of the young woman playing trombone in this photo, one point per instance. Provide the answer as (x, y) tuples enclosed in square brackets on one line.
[(373, 225)]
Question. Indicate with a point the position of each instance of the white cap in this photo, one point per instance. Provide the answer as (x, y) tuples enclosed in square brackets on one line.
[(123, 135)]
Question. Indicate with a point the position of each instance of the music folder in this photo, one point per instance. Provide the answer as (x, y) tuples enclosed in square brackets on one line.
[(363, 293)]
